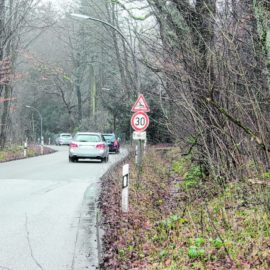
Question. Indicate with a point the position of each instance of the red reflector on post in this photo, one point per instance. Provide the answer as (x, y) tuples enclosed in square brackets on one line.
[(100, 146)]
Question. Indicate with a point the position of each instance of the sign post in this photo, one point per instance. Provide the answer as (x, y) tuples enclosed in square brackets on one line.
[(139, 122)]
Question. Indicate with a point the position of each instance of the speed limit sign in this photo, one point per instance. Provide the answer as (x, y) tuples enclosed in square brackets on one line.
[(139, 121)]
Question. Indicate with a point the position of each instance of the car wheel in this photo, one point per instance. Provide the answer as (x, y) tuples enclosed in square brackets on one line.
[(73, 159)]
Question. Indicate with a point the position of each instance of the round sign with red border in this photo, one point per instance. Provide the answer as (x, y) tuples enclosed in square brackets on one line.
[(139, 121)]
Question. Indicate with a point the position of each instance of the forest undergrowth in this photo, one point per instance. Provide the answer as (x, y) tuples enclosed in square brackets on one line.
[(180, 220)]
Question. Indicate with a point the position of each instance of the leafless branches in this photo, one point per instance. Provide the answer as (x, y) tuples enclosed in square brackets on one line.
[(215, 71)]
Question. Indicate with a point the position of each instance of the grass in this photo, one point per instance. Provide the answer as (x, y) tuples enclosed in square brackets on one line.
[(15, 152), (175, 225)]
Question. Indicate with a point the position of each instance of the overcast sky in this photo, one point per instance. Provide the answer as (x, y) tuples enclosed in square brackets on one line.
[(60, 4)]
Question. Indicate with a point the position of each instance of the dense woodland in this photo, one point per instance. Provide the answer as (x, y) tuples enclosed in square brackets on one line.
[(203, 66)]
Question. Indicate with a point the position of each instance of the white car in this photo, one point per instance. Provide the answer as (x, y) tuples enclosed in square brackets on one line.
[(63, 139), (88, 145)]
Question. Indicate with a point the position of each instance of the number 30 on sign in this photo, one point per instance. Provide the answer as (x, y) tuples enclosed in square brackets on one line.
[(139, 121)]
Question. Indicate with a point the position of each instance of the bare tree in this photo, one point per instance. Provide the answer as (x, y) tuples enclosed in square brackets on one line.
[(212, 64), (13, 19)]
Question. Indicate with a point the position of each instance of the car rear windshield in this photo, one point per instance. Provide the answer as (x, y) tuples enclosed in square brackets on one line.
[(66, 135), (109, 137), (87, 138)]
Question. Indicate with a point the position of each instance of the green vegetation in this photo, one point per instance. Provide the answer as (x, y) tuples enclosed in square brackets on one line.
[(191, 173), (266, 175), (173, 226)]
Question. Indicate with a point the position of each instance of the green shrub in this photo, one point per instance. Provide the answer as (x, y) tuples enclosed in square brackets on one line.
[(191, 173), (266, 175), (179, 166), (192, 177), (196, 252), (217, 243), (199, 241)]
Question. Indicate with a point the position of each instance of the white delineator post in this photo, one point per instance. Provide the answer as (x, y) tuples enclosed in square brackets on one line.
[(125, 183), (25, 149)]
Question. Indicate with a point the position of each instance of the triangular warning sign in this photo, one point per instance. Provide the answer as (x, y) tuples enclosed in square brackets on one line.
[(140, 105)]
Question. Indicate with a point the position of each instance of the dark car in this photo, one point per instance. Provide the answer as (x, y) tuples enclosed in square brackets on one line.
[(112, 142)]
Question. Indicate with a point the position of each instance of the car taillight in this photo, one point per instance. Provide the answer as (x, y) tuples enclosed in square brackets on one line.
[(100, 146), (73, 145)]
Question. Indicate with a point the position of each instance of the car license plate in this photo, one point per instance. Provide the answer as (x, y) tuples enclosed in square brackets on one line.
[(87, 146)]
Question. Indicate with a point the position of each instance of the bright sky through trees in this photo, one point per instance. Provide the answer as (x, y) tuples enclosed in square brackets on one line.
[(59, 4)]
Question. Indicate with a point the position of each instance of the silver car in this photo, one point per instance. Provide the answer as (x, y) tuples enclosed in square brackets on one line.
[(63, 139), (88, 145)]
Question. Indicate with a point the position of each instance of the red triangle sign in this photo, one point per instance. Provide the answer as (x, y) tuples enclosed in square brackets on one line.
[(140, 105)]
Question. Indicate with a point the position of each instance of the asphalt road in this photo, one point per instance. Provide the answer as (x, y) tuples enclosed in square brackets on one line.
[(47, 212)]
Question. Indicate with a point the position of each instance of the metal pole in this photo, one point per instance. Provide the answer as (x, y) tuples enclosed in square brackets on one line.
[(41, 129), (41, 135), (139, 162), (41, 126)]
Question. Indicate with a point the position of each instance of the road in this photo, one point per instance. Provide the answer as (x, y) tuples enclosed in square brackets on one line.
[(47, 212)]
